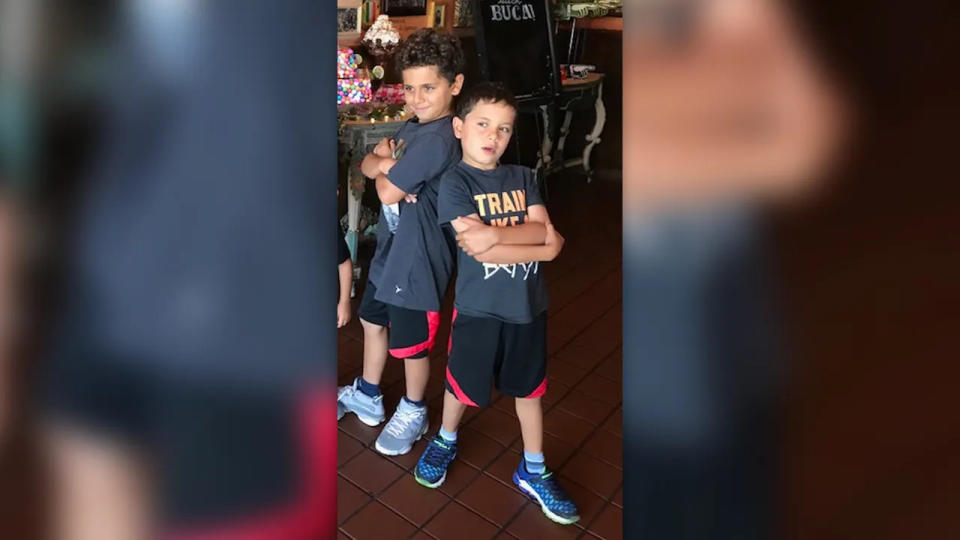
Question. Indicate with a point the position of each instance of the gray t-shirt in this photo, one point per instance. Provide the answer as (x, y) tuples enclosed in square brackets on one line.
[(513, 293), (411, 267)]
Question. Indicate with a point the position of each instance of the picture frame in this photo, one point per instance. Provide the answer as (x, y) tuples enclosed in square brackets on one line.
[(439, 15), (463, 13), (368, 11), (349, 19), (404, 8)]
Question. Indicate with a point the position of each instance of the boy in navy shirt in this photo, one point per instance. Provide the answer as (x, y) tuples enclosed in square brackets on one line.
[(499, 330), (414, 256)]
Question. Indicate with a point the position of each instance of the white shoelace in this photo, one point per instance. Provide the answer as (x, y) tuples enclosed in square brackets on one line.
[(350, 390), (401, 421)]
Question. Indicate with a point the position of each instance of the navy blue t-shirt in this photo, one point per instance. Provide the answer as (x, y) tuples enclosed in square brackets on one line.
[(513, 293), (343, 251), (412, 266)]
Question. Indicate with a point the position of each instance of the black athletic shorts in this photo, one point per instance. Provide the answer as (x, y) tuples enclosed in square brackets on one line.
[(486, 351), (412, 332), (229, 462)]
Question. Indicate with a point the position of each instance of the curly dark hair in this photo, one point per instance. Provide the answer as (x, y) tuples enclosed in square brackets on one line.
[(427, 47), (487, 92)]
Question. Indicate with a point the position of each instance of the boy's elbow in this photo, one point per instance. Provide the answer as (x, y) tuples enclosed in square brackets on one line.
[(367, 167), (483, 257), (384, 193), (387, 196)]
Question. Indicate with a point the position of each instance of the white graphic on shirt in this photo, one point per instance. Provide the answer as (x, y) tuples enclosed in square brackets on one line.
[(398, 289), (490, 270)]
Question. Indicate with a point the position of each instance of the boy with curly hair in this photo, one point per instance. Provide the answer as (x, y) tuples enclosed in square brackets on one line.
[(414, 257)]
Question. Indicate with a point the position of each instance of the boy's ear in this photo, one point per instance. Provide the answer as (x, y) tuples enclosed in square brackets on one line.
[(457, 85), (457, 127)]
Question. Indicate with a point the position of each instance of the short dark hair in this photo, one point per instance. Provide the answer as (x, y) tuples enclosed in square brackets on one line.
[(486, 92), (427, 47)]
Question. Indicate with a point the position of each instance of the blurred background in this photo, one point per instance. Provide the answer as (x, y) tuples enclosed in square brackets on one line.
[(166, 361), (790, 253)]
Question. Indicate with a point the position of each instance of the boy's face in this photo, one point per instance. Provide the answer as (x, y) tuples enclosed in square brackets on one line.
[(428, 94), (485, 133)]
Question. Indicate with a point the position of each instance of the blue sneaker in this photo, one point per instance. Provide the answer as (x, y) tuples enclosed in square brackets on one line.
[(431, 470), (546, 491)]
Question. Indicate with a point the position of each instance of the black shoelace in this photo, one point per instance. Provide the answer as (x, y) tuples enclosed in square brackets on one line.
[(436, 455)]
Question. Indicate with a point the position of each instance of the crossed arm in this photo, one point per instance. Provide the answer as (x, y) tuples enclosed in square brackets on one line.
[(377, 165), (535, 240)]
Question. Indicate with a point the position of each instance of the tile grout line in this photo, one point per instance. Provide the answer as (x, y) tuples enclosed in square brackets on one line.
[(406, 473), (452, 498), (359, 508), (565, 275), (584, 292), (419, 528), (577, 449), (572, 338), (606, 499), (376, 496)]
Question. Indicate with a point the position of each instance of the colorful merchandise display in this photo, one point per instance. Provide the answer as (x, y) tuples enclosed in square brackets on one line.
[(353, 91), (389, 93), (346, 64), (353, 84)]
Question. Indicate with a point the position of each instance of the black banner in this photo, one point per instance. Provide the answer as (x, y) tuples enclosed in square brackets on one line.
[(515, 45)]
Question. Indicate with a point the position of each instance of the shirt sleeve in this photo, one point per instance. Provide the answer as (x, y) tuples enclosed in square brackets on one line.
[(343, 252), (424, 158), (454, 199), (532, 188)]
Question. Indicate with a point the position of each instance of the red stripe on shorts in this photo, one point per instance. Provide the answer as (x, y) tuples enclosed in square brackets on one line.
[(457, 391), (433, 323), (541, 390)]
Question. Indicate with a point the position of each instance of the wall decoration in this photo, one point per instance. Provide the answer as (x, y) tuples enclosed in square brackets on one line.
[(439, 15), (369, 12), (463, 13), (404, 8), (349, 19)]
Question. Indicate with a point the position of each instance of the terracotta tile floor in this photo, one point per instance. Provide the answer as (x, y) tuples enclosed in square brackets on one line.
[(378, 497)]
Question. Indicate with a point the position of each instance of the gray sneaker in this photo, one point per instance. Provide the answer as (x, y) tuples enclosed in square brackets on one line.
[(405, 427), (368, 409)]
